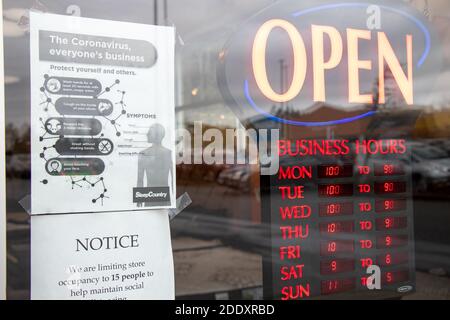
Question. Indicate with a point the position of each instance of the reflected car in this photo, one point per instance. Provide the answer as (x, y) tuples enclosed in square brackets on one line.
[(430, 168)]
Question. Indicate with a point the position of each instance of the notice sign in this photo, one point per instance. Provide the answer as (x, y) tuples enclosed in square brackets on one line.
[(102, 256), (102, 115)]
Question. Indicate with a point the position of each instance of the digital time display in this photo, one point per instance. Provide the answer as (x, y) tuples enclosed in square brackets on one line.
[(389, 169), (337, 266), (391, 241), (391, 223), (390, 187), (335, 190), (334, 171), (390, 205), (336, 227), (332, 247), (392, 259), (336, 286), (334, 209), (394, 277)]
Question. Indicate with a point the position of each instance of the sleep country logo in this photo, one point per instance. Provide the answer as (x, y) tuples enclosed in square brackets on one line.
[(297, 56)]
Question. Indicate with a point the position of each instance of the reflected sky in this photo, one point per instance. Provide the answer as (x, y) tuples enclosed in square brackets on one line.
[(203, 28)]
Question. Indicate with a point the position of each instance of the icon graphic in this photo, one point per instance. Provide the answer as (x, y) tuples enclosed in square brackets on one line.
[(54, 167), (53, 126), (105, 146), (104, 107), (53, 85)]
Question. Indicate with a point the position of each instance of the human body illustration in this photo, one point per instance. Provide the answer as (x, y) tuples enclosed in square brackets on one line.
[(155, 164)]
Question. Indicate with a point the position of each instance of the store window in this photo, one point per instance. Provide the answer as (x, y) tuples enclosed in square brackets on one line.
[(364, 151)]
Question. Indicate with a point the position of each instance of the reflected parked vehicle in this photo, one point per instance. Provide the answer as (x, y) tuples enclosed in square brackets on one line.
[(235, 177), (430, 167)]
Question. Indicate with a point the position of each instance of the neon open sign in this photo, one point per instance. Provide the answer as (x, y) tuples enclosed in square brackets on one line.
[(386, 56), (302, 53)]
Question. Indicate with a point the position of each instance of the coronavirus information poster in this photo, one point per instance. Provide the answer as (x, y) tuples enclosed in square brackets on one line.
[(102, 115), (103, 256)]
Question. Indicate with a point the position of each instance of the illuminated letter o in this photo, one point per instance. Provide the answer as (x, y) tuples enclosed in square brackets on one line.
[(259, 60)]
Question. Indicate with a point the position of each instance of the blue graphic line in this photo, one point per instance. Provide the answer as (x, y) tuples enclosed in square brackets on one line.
[(300, 123), (418, 23)]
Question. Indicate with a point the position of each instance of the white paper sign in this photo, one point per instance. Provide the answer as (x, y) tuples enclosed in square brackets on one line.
[(102, 115), (125, 255)]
